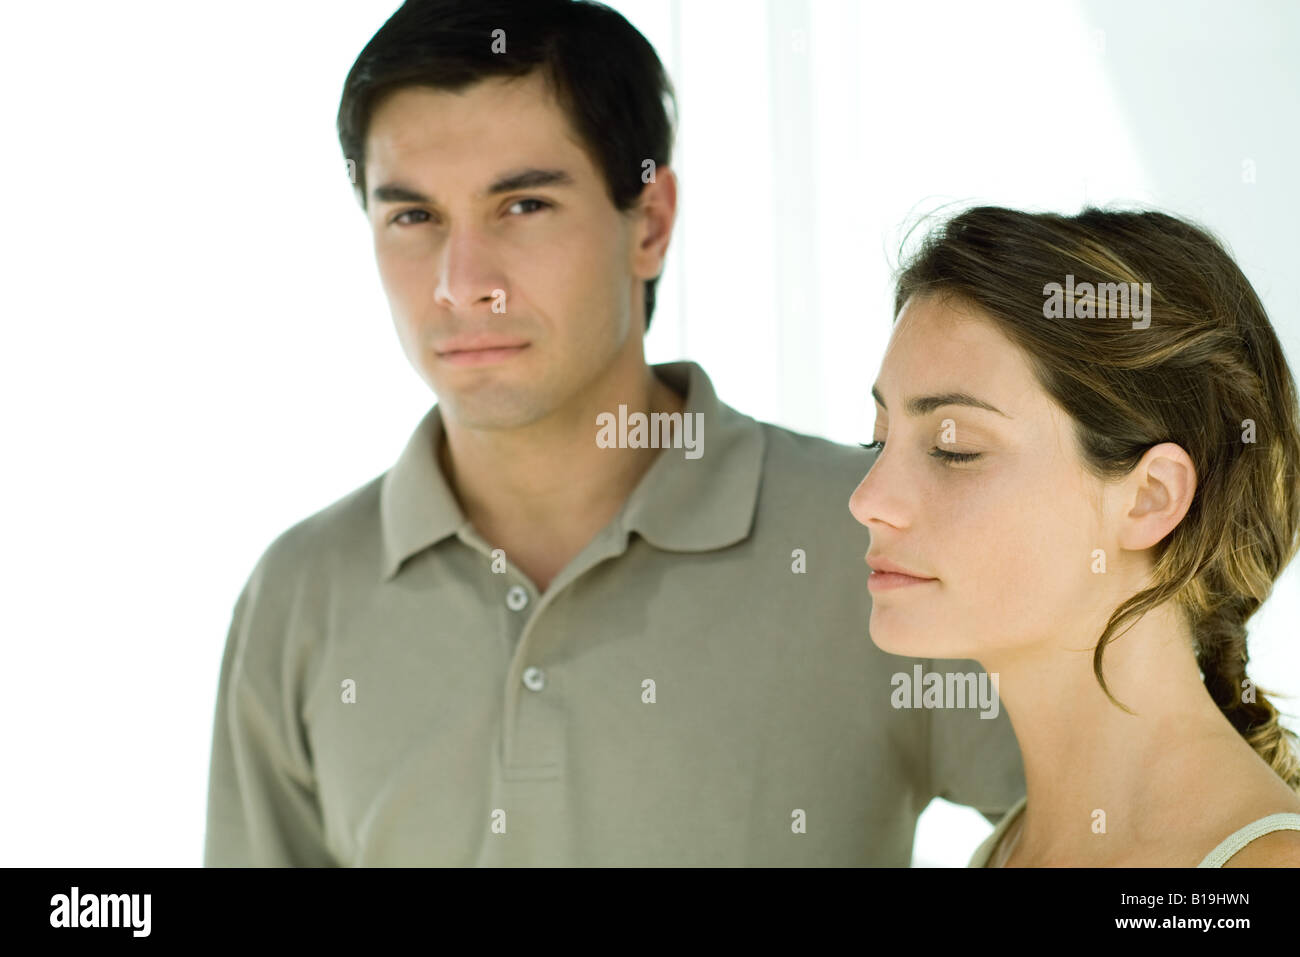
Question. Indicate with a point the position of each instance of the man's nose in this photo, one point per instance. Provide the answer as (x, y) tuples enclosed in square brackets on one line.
[(468, 274)]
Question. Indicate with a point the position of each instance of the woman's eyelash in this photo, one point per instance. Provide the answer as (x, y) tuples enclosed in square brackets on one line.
[(936, 452), (955, 456)]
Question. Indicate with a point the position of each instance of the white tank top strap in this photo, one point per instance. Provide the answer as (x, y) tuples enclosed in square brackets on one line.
[(1243, 836)]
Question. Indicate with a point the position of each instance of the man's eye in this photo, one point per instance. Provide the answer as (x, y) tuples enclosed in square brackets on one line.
[(401, 217), (541, 204)]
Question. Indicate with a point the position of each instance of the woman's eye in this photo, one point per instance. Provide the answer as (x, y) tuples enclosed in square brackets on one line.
[(954, 456), (541, 204), (879, 446)]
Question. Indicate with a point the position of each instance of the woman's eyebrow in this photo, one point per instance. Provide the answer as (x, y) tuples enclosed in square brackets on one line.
[(925, 404)]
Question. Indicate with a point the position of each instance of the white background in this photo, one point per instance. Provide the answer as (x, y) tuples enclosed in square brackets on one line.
[(198, 352)]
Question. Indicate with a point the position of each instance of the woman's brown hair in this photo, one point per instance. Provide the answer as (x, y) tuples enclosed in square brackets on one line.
[(1196, 362)]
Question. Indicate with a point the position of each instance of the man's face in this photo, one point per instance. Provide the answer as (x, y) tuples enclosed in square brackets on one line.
[(545, 267)]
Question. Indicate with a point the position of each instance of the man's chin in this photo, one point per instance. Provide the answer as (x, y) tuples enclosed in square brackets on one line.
[(489, 408)]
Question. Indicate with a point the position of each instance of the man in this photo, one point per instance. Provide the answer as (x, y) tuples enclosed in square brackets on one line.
[(519, 646)]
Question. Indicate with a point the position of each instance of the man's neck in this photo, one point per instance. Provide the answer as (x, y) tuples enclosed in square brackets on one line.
[(542, 492)]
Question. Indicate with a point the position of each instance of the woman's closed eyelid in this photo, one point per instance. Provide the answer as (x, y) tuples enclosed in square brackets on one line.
[(943, 454)]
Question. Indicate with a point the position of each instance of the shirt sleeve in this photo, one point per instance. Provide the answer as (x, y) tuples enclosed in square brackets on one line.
[(974, 760), (262, 802)]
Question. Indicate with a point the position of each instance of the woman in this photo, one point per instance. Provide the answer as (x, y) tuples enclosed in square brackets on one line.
[(1090, 489)]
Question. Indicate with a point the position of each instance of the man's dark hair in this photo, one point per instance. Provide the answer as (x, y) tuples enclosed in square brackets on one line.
[(606, 76)]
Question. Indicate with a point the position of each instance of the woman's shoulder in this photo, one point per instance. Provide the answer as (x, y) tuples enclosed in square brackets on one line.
[(1264, 832), (1257, 823), (989, 847), (1277, 843)]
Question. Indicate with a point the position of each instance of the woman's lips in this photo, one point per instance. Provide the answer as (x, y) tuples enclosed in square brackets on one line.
[(888, 581)]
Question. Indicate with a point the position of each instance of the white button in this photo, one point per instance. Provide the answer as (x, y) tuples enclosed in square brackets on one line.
[(534, 679), (516, 597)]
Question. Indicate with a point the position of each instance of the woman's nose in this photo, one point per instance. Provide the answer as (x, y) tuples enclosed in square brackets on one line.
[(872, 502)]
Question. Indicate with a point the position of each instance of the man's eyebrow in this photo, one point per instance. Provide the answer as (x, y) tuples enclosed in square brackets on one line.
[(925, 404), (530, 178)]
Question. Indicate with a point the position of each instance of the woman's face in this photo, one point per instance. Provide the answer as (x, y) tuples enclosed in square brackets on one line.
[(1008, 531)]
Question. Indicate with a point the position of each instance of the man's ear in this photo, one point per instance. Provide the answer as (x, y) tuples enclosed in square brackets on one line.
[(655, 212), (1155, 496)]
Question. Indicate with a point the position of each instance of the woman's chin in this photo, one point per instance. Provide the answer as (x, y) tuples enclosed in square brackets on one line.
[(896, 638), (898, 645)]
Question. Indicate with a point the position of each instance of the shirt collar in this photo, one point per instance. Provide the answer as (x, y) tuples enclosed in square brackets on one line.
[(680, 504)]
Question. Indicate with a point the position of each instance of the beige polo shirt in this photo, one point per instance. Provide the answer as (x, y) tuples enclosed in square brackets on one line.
[(696, 687)]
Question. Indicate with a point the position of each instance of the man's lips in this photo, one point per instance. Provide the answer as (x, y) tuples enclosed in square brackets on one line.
[(481, 354)]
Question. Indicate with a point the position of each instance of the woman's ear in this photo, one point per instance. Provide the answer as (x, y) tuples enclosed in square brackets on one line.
[(1155, 496)]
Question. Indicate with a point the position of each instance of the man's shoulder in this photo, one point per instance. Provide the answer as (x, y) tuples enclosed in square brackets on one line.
[(805, 485), (284, 606), (348, 527), (815, 461)]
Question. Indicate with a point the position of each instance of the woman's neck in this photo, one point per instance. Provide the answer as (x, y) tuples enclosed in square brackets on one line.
[(1100, 780)]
